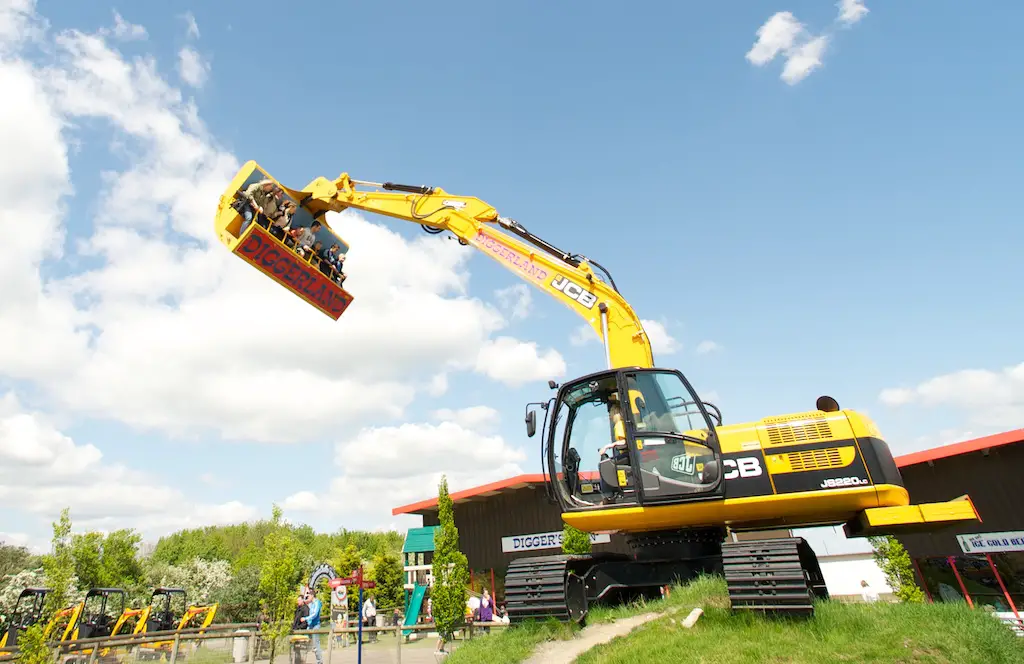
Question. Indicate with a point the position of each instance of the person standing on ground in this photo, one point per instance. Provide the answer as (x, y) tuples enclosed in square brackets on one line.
[(313, 622), (867, 593)]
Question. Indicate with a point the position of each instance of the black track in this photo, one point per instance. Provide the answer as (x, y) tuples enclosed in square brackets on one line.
[(775, 576)]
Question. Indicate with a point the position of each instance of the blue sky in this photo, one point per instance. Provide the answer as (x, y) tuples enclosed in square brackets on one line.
[(855, 232)]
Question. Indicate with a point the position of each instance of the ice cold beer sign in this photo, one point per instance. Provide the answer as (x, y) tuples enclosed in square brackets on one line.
[(536, 541)]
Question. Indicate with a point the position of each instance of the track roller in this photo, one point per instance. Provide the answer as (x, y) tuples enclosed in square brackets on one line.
[(545, 587), (774, 576)]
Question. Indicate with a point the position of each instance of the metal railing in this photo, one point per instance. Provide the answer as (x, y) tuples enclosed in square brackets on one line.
[(177, 646)]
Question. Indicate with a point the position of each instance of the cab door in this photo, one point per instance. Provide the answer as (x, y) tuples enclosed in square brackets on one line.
[(672, 442)]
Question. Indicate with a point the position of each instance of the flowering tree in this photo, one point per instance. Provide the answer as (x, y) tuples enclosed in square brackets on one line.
[(201, 579)]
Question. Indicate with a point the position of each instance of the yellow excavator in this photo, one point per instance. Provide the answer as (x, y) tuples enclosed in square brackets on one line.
[(169, 610), (629, 449), (28, 609)]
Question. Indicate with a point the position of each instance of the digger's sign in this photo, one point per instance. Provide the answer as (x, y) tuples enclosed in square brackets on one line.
[(537, 541)]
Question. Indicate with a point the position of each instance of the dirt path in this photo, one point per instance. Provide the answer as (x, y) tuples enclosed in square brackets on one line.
[(566, 652)]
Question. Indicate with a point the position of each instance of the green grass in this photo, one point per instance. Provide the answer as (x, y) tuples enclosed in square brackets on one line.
[(508, 645), (839, 632)]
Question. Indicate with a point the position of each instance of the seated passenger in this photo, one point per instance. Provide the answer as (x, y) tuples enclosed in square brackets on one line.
[(339, 263), (283, 220), (306, 238), (262, 202)]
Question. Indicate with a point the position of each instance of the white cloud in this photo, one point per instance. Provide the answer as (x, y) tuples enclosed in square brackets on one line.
[(989, 400), (705, 347), (384, 467), (303, 501), (192, 28), (483, 419), (515, 363), (124, 30), (19, 23), (516, 300), (778, 35), (662, 342), (43, 470), (851, 11), (192, 68), (783, 34), (803, 59), (159, 333)]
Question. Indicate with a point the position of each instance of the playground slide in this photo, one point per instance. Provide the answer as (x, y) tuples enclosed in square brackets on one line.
[(413, 612)]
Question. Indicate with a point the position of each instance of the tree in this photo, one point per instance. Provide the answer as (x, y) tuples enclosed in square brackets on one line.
[(347, 560), (450, 569), (575, 541), (87, 552), (59, 566), (389, 576), (894, 562), (279, 576), (14, 559), (239, 599)]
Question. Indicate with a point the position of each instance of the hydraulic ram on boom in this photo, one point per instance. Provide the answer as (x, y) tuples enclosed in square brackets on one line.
[(632, 448)]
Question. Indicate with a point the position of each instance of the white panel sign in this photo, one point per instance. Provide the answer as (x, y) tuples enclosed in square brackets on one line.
[(1009, 540), (535, 541)]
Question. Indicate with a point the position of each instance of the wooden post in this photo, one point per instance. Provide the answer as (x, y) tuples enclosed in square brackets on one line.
[(92, 653), (252, 645), (174, 648), (398, 641), (330, 643)]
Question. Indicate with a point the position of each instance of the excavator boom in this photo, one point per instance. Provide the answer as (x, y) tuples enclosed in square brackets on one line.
[(569, 278)]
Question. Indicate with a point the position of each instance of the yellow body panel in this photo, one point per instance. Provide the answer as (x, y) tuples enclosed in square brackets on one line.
[(812, 508), (913, 518)]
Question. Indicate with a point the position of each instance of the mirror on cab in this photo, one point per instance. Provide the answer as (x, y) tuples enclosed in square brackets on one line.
[(531, 423), (265, 225)]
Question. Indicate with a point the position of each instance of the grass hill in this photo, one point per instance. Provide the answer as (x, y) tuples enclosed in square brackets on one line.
[(839, 632)]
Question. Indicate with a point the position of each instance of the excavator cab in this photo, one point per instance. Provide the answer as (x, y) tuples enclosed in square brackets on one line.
[(27, 611), (101, 609), (168, 605), (263, 223), (658, 445)]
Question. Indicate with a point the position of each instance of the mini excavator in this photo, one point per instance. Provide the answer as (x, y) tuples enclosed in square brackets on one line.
[(632, 448), (28, 609)]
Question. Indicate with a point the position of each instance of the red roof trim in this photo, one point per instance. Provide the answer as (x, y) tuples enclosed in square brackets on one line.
[(412, 508), (483, 489), (967, 446)]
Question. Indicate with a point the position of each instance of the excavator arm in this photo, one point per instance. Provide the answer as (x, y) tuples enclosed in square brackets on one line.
[(569, 278)]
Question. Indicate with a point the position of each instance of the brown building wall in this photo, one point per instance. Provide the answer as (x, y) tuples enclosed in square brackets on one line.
[(483, 521), (992, 480)]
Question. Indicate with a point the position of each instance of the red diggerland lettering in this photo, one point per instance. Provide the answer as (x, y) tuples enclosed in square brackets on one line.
[(511, 256), (289, 270)]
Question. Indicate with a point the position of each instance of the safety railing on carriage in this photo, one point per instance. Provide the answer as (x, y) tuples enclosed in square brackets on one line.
[(95, 650)]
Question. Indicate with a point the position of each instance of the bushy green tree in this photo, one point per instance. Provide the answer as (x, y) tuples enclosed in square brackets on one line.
[(14, 559), (239, 599), (32, 646), (575, 541), (278, 585), (450, 569), (894, 562), (390, 578), (346, 560)]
